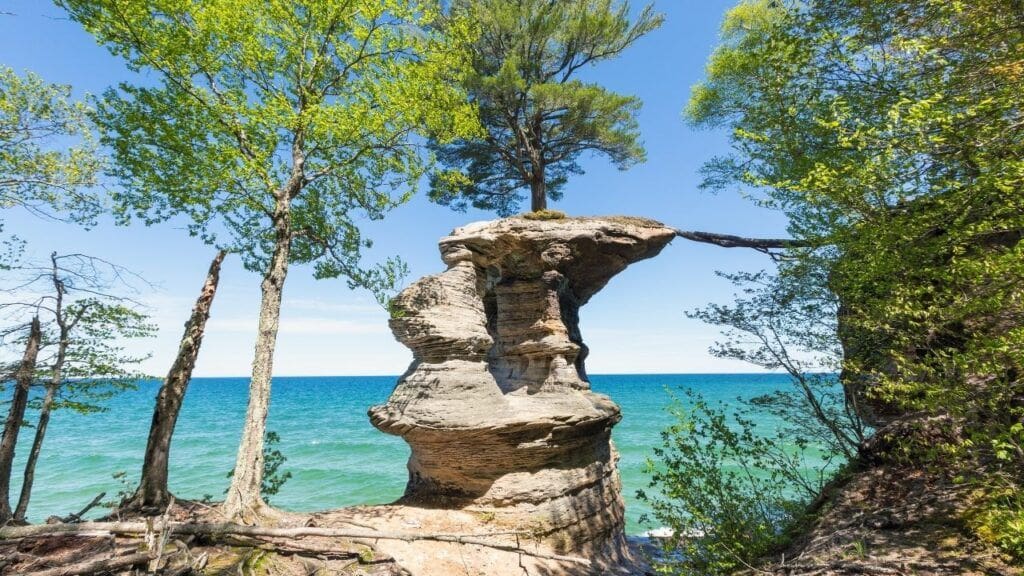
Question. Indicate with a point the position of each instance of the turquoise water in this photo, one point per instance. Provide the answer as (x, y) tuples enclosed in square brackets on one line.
[(335, 456)]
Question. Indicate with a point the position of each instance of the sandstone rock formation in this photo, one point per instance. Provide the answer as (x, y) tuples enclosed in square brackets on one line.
[(496, 405)]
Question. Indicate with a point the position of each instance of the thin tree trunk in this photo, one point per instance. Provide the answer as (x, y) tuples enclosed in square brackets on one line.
[(244, 498), (56, 378), (153, 493), (44, 421), (19, 401)]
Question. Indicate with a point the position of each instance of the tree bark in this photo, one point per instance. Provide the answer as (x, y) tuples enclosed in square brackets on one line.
[(538, 194), (16, 414), (97, 566), (153, 493), (244, 499)]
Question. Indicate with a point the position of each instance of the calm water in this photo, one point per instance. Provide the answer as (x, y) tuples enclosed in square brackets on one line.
[(335, 456)]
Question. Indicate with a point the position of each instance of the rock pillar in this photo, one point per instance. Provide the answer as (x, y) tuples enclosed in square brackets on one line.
[(496, 405)]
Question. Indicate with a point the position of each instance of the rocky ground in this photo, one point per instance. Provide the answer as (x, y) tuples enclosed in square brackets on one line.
[(887, 516)]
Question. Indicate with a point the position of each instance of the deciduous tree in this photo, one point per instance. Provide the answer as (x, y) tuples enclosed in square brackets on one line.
[(889, 133), (272, 128), (49, 163)]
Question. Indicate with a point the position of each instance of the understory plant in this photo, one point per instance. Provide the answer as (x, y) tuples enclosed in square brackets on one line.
[(273, 477), (727, 492), (731, 492)]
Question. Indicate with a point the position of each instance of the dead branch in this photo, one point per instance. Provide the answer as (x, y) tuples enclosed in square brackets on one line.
[(78, 515), (95, 566), (214, 530)]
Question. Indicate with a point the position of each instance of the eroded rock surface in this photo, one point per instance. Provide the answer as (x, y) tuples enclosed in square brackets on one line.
[(496, 405)]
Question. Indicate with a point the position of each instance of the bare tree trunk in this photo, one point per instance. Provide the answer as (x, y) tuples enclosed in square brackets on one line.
[(19, 401), (153, 493), (41, 425), (56, 378), (244, 498)]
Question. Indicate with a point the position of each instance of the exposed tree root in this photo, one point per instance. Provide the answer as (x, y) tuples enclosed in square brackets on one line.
[(730, 241), (228, 530)]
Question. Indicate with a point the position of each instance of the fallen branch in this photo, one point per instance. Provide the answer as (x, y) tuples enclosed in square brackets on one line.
[(230, 529), (95, 566), (78, 516)]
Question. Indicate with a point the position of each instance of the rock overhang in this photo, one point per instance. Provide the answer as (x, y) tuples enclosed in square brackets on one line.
[(496, 405)]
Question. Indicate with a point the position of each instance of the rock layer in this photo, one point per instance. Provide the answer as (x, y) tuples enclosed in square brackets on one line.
[(496, 405)]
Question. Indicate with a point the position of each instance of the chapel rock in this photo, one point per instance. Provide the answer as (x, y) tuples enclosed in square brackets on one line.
[(496, 405)]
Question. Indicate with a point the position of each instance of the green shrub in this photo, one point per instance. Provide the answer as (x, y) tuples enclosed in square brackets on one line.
[(723, 490), (273, 477)]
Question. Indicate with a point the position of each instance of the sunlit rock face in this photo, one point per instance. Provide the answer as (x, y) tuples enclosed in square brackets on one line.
[(496, 405)]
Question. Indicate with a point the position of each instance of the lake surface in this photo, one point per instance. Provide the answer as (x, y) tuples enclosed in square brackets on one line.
[(335, 456)]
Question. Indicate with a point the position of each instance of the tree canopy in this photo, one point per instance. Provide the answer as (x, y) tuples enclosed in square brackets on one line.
[(314, 101), (538, 118), (273, 127), (48, 158), (889, 133), (49, 163)]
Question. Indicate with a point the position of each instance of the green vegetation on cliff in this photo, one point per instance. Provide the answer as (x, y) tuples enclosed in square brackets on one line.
[(890, 134)]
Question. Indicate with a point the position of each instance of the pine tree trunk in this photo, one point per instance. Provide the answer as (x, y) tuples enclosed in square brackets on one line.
[(41, 425), (538, 194), (244, 499), (19, 401), (153, 493)]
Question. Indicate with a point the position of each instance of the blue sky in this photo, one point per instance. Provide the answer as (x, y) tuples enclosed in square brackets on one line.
[(636, 325)]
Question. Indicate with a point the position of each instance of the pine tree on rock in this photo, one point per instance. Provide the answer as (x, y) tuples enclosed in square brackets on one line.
[(538, 119)]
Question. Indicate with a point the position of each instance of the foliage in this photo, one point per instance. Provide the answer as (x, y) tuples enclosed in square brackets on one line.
[(98, 365), (48, 158), (87, 299), (273, 459), (273, 118), (727, 492), (787, 321), (999, 519), (889, 133), (538, 118), (889, 130), (735, 495)]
